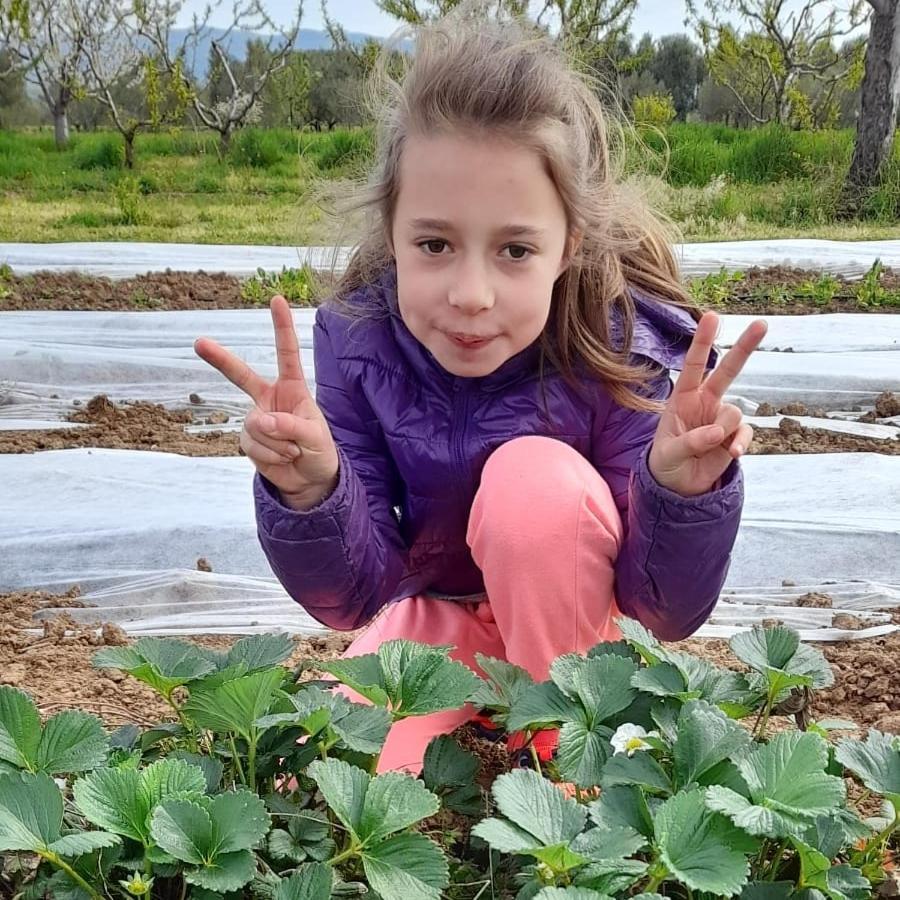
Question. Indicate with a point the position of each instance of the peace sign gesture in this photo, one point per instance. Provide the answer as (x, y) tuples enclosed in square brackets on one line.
[(285, 434), (698, 435)]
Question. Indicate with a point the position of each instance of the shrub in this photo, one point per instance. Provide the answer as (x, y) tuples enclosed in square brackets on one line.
[(655, 110), (102, 152)]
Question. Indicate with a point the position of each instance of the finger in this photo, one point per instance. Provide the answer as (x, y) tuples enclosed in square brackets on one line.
[(734, 360), (697, 356), (232, 367), (287, 348), (729, 417), (304, 433), (741, 442), (260, 430), (262, 454)]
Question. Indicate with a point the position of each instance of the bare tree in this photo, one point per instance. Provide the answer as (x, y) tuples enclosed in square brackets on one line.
[(786, 43), (245, 85), (47, 38), (879, 104), (119, 66)]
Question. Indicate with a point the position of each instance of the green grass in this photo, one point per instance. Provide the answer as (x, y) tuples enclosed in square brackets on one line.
[(720, 183)]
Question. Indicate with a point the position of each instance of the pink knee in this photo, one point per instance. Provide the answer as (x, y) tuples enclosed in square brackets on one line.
[(534, 492)]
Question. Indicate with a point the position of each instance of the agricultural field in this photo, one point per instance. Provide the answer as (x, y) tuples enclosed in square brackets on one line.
[(758, 765)]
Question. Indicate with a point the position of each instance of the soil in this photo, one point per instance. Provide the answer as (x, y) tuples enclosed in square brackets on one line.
[(205, 290), (150, 426)]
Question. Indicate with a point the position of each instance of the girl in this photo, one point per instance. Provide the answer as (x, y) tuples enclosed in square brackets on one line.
[(496, 458)]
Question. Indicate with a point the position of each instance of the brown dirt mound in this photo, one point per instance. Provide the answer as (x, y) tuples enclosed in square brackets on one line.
[(792, 437), (128, 426)]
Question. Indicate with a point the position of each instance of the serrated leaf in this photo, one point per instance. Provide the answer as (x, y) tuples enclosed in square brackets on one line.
[(447, 765), (235, 705), (662, 680), (695, 845), (845, 881), (641, 769), (826, 835), (31, 809), (640, 638), (72, 741), (810, 661), (226, 872), (570, 893), (362, 673), (538, 807), (183, 829), (260, 651), (406, 867), (583, 752), (20, 728), (372, 808), (504, 686), (623, 805), (764, 648), (705, 737), (307, 837), (83, 842), (767, 890), (506, 837), (612, 844), (876, 761), (542, 705), (240, 821), (211, 767), (362, 728), (122, 800), (313, 881), (788, 786), (163, 663)]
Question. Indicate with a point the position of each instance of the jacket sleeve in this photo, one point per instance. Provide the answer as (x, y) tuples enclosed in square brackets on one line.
[(676, 550), (341, 560)]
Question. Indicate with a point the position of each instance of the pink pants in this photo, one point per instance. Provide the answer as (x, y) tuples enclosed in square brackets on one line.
[(545, 532)]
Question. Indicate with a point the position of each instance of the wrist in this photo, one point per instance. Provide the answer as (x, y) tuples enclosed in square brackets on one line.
[(310, 497)]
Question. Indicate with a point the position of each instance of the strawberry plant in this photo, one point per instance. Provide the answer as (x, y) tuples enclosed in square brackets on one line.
[(668, 781)]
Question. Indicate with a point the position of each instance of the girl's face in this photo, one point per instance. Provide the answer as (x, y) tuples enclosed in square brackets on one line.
[(479, 236)]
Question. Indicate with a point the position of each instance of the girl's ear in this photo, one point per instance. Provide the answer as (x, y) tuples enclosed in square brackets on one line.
[(573, 245)]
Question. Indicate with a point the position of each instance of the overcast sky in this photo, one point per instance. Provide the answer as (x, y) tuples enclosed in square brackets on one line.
[(656, 16), (659, 17)]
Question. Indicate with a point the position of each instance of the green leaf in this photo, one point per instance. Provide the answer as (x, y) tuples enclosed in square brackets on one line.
[(767, 890), (583, 752), (83, 842), (260, 651), (122, 800), (811, 662), (506, 837), (601, 683), (183, 829), (640, 638), (542, 705), (696, 845), (307, 837), (362, 673), (706, 737), (505, 683), (72, 741), (826, 835), (235, 705), (361, 727), (211, 767), (240, 821), (788, 787), (876, 761), (663, 680), (609, 844), (623, 805), (764, 648), (406, 867), (538, 807), (372, 808), (31, 809), (20, 728), (847, 882), (570, 893), (313, 881), (641, 769), (163, 663), (226, 872), (447, 765)]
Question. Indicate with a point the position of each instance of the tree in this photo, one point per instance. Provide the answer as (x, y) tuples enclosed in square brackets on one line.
[(879, 103), (13, 99), (287, 94), (126, 79), (47, 38), (783, 43), (678, 64), (243, 85), (336, 77)]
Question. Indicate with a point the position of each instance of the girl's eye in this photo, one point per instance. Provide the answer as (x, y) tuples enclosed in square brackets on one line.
[(433, 247), (518, 252)]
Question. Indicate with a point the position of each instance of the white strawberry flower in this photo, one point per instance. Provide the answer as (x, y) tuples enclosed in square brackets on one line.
[(629, 738)]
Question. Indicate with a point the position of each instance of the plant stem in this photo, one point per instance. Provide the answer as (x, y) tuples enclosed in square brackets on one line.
[(236, 759), (764, 715), (251, 761), (535, 758), (776, 859), (60, 863), (346, 854)]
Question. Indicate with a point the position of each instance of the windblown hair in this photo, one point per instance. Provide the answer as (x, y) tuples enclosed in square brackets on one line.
[(475, 73)]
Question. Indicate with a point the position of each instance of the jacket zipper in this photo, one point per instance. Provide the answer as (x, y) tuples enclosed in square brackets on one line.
[(459, 432)]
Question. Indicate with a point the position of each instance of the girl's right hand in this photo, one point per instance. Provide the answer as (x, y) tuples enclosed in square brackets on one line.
[(285, 435)]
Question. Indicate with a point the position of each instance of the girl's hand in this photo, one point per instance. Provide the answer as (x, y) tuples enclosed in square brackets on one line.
[(285, 435), (698, 435)]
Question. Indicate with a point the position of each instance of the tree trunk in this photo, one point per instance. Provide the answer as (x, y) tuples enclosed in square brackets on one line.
[(61, 127), (129, 149), (879, 103), (225, 140)]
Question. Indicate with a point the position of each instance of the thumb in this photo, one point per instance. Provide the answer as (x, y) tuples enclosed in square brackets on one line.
[(699, 441)]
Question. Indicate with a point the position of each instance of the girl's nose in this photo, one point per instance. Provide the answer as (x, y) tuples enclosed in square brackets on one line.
[(471, 291)]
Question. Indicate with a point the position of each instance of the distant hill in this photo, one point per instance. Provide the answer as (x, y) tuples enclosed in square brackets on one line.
[(236, 44)]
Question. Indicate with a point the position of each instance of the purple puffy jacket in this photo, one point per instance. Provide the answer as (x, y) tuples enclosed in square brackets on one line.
[(413, 439)]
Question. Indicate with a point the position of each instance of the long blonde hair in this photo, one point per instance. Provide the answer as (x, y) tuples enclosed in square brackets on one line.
[(473, 72)]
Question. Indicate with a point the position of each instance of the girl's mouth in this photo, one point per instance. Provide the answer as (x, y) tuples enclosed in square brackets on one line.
[(469, 341)]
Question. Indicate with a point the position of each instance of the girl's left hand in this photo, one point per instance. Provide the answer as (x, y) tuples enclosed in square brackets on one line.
[(698, 435)]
